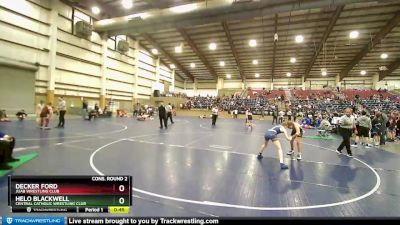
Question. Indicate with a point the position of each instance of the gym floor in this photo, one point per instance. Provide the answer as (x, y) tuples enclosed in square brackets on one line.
[(192, 169)]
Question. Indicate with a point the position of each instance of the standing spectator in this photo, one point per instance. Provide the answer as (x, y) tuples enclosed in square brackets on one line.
[(346, 129), (62, 109), (173, 110), (275, 116), (262, 112), (392, 127), (280, 116), (214, 115), (375, 130), (97, 108), (168, 109), (364, 126), (383, 128), (162, 114), (289, 115), (85, 109), (136, 109), (39, 108)]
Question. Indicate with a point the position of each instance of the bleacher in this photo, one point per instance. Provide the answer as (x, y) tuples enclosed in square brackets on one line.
[(266, 94), (311, 94), (365, 94)]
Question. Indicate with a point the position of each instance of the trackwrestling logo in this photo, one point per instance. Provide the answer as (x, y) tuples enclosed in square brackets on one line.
[(33, 220)]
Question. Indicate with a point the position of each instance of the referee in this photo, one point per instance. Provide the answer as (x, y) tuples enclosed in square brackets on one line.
[(346, 123), (214, 115)]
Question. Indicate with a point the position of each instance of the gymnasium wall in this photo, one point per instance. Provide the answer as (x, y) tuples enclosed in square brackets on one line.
[(25, 36), (16, 89)]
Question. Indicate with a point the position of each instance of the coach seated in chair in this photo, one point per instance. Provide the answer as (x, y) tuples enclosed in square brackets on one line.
[(325, 127), (7, 144)]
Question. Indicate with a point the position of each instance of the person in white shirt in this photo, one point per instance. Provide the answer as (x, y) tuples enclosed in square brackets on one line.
[(168, 109), (289, 114), (280, 116), (214, 115), (62, 109), (39, 108)]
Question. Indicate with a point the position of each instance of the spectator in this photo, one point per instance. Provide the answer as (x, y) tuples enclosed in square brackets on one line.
[(7, 144), (39, 108), (364, 125), (214, 115), (280, 116), (85, 109), (62, 109), (275, 116), (21, 115), (168, 109), (162, 114)]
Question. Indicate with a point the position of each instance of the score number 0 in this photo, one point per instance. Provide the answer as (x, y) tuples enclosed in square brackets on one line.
[(121, 200)]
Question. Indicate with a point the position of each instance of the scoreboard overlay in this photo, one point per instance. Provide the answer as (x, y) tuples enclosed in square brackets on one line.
[(86, 194)]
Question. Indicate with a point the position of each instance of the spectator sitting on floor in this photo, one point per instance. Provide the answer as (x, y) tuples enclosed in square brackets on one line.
[(7, 144), (21, 115), (205, 117), (145, 117), (306, 123), (91, 114)]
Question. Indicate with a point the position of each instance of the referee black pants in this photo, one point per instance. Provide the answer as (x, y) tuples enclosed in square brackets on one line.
[(274, 119), (169, 116), (163, 121), (346, 135), (214, 119)]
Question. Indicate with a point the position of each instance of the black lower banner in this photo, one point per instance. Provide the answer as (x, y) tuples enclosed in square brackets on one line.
[(212, 221)]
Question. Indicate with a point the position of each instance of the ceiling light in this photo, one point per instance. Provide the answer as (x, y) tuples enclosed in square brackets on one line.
[(192, 65), (178, 49), (289, 74), (172, 66), (363, 72), (253, 43), (212, 46), (127, 4), (324, 71), (384, 56), (95, 10), (257, 75), (299, 38), (292, 59), (354, 34), (183, 8), (255, 62), (154, 51), (222, 63), (228, 76)]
